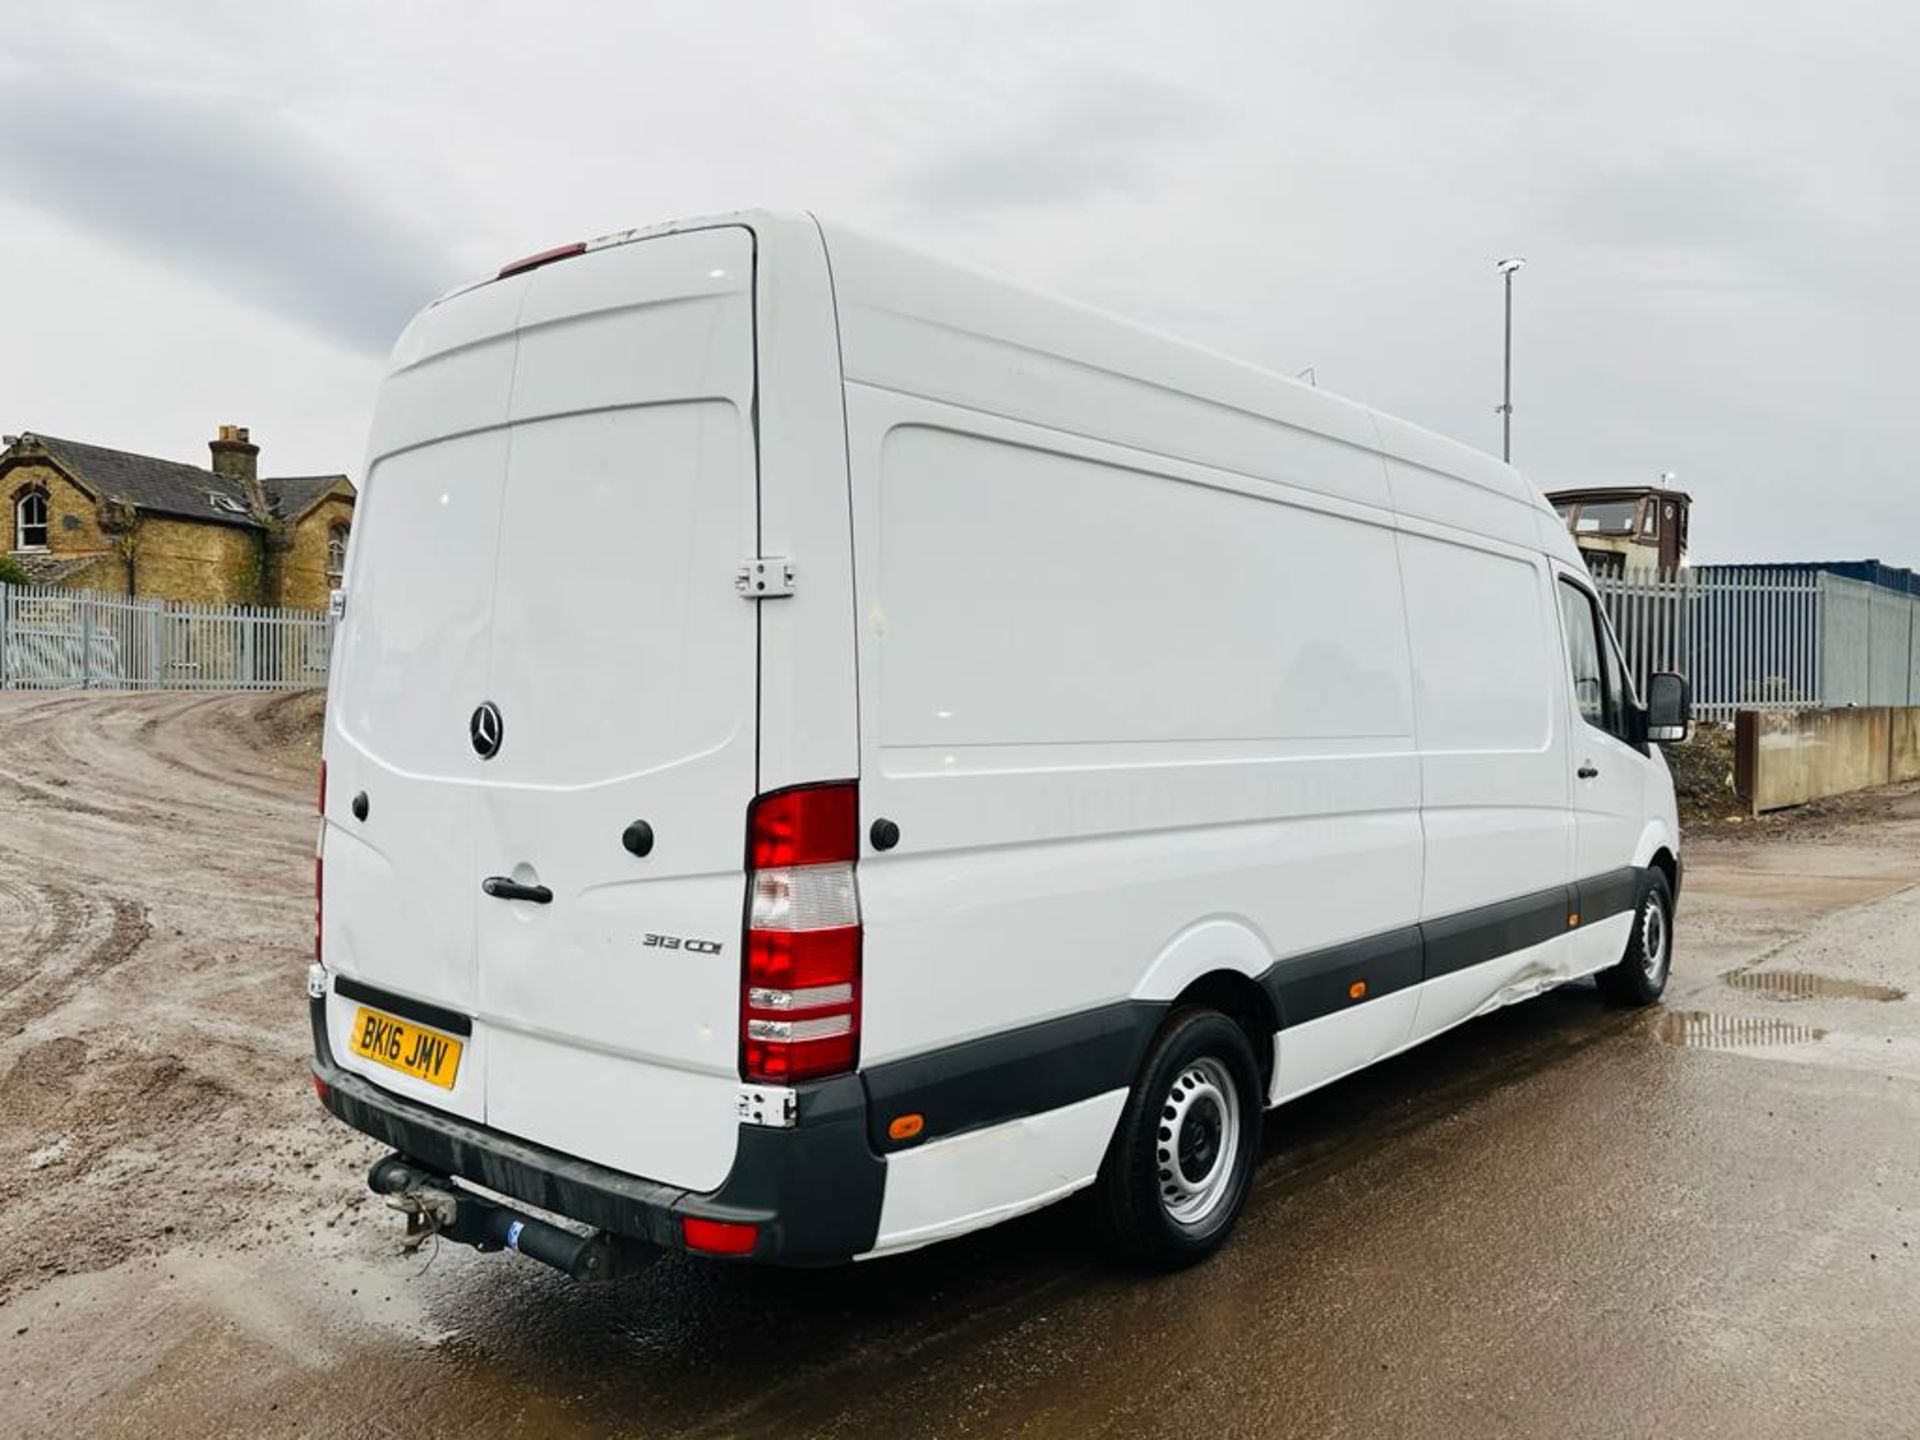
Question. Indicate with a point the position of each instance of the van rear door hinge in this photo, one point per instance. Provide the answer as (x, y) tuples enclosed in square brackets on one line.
[(765, 577)]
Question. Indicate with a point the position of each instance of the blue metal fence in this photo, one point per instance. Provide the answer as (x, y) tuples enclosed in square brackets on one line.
[(1768, 637)]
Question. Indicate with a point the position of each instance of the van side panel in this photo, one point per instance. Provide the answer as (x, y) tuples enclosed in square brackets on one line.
[(981, 1177), (919, 327), (1492, 743), (1440, 480), (1107, 694)]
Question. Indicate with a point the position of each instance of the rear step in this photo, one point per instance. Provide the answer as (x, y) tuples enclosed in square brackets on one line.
[(433, 1204)]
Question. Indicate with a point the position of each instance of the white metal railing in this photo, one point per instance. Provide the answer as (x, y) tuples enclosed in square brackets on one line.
[(1765, 638), (54, 639)]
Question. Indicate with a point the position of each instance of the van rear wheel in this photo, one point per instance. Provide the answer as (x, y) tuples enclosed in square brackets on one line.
[(1181, 1162)]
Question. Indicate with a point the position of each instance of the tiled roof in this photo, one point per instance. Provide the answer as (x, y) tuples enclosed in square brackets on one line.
[(292, 494), (45, 569), (167, 487)]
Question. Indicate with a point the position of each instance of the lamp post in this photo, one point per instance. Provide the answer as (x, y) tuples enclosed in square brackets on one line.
[(1507, 268)]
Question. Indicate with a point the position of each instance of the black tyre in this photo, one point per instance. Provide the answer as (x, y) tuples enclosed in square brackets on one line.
[(1642, 972), (1178, 1170)]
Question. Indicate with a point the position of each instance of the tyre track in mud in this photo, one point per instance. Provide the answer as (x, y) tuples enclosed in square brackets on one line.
[(39, 983), (155, 909)]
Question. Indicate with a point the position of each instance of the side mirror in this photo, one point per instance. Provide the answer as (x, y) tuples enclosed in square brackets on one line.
[(1669, 706)]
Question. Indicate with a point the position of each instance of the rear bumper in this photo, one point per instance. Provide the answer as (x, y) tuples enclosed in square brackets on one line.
[(814, 1190)]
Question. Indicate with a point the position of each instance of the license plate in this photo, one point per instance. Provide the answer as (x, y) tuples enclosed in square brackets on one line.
[(401, 1045)]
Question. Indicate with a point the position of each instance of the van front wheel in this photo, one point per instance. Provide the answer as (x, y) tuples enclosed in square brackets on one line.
[(1178, 1170), (1642, 972)]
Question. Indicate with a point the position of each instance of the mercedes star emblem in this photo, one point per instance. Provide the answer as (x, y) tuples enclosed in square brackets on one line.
[(486, 729)]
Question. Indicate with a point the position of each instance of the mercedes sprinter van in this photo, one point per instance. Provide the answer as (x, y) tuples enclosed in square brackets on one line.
[(827, 751)]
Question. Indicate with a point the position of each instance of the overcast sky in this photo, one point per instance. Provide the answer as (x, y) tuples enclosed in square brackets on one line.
[(225, 212)]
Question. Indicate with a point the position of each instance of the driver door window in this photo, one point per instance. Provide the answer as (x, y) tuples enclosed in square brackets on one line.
[(1599, 686)]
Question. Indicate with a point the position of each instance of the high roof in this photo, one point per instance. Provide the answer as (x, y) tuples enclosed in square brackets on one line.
[(1614, 492), (168, 487)]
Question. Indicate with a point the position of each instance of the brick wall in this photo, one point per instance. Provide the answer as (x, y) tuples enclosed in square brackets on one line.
[(73, 522), (304, 581), (196, 562)]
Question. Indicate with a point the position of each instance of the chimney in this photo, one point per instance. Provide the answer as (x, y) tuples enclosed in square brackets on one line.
[(237, 458), (234, 456)]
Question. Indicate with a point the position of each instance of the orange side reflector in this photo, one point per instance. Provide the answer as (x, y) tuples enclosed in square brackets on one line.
[(1572, 920), (905, 1127), (1357, 990)]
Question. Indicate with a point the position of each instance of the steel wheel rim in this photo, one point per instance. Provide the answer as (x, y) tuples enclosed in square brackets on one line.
[(1197, 1142), (1653, 939)]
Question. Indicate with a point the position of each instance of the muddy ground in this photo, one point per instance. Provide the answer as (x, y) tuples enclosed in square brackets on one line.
[(1698, 1220)]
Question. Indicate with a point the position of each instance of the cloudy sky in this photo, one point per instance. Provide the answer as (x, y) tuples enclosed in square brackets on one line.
[(224, 212)]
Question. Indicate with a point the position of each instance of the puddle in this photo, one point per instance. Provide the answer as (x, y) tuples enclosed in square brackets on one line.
[(1701, 1030), (1805, 985)]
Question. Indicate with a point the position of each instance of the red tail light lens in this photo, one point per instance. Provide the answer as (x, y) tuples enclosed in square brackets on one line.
[(817, 825), (801, 962), (719, 1237), (800, 982)]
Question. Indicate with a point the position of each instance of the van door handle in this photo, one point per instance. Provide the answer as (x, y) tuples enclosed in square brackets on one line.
[(1587, 771), (502, 888)]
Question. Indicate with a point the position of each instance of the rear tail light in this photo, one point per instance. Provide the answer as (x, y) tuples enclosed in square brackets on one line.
[(800, 980)]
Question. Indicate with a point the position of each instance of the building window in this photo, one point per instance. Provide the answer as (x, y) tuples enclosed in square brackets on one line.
[(1605, 517), (30, 520), (337, 551), (1604, 564)]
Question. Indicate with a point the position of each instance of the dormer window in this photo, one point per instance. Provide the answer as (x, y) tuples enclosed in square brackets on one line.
[(30, 520)]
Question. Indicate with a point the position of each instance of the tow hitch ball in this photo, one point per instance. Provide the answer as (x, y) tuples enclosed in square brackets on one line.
[(433, 1205)]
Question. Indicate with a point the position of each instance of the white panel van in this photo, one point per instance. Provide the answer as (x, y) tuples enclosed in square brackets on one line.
[(827, 751)]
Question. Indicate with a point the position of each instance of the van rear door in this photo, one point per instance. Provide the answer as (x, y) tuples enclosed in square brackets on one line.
[(398, 888), (621, 664)]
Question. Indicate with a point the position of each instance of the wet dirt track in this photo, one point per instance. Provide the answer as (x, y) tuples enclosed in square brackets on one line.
[(1565, 1219)]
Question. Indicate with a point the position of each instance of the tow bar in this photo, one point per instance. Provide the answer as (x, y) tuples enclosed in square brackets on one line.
[(433, 1205)]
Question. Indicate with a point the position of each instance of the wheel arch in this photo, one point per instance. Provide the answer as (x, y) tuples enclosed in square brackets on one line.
[(1668, 864), (1246, 1003), (1218, 962), (1654, 839)]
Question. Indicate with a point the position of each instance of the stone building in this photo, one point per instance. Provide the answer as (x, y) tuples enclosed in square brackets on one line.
[(91, 518), (1627, 527)]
